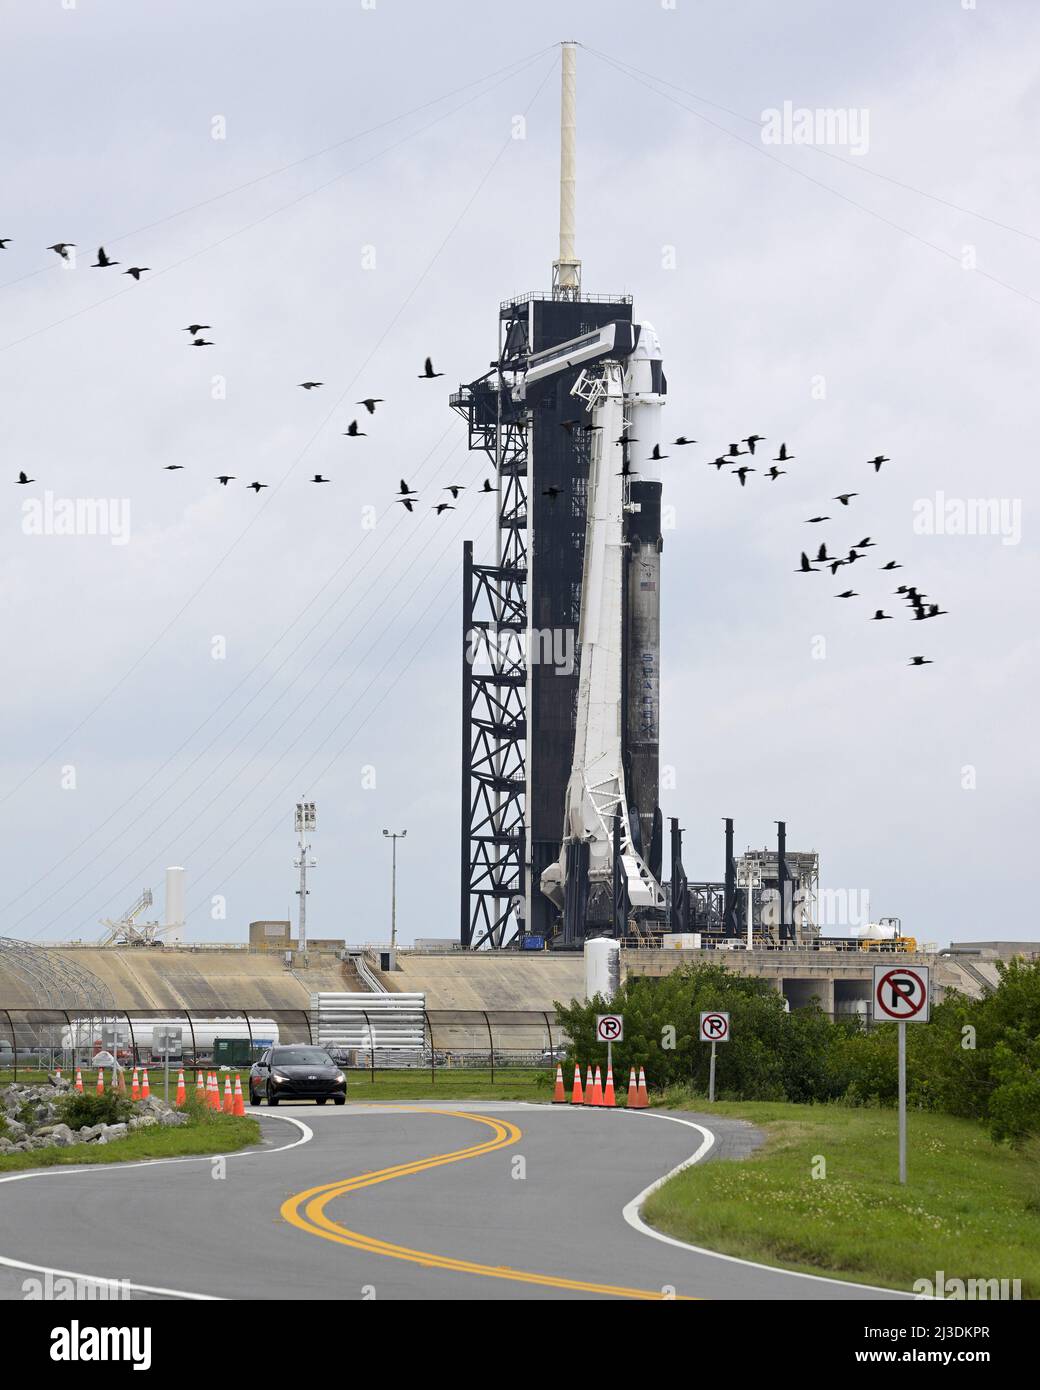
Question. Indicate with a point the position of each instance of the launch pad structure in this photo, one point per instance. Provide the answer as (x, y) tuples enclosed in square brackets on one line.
[(527, 649), (561, 831)]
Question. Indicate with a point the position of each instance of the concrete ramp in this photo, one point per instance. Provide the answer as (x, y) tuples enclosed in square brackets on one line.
[(170, 978), (491, 980)]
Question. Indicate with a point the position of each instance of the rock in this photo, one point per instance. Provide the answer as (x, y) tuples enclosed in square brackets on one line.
[(143, 1121), (173, 1119), (15, 1129), (89, 1132), (110, 1132), (6, 1146), (57, 1134)]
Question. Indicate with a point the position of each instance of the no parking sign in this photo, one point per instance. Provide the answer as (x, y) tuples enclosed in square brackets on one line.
[(901, 994), (714, 1027)]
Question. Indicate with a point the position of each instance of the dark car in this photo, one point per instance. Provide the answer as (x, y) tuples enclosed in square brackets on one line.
[(296, 1073)]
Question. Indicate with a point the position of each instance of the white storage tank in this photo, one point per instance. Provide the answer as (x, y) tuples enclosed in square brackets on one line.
[(602, 967)]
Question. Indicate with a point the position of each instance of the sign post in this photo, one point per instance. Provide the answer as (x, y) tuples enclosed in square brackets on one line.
[(714, 1029), (610, 1028), (902, 994)]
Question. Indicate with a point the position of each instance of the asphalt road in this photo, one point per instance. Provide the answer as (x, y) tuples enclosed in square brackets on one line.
[(480, 1200)]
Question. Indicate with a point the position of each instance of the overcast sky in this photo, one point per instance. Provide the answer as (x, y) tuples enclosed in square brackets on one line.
[(810, 302)]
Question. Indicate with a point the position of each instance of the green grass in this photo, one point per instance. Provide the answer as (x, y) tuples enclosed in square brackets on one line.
[(970, 1207), (452, 1083), (206, 1134)]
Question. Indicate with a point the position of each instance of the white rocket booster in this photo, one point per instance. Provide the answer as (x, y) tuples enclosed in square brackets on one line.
[(624, 398)]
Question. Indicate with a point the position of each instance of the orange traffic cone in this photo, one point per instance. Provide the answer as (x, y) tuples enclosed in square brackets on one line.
[(57, 1073), (79, 1081), (229, 1100), (608, 1090), (135, 1087), (576, 1096), (644, 1099), (588, 1086), (200, 1088), (100, 1081), (633, 1090), (145, 1092), (181, 1093), (559, 1097), (597, 1089), (214, 1091), (239, 1107), (119, 1080)]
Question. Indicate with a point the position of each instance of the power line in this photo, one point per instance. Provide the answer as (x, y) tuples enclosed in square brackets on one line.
[(277, 487), (862, 207)]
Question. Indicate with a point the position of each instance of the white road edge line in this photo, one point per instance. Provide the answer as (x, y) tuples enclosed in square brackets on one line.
[(632, 1209), (306, 1135)]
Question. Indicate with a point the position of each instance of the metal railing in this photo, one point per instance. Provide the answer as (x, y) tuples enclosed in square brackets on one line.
[(33, 1040)]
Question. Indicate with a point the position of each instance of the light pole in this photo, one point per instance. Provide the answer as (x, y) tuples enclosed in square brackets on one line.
[(749, 876), (306, 821), (394, 836)]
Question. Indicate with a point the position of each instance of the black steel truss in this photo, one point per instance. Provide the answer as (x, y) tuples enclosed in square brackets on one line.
[(494, 671)]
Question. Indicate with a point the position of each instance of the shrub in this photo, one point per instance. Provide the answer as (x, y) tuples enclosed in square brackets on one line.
[(77, 1110)]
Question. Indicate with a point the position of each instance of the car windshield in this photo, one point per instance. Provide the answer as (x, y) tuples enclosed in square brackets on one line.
[(299, 1057)]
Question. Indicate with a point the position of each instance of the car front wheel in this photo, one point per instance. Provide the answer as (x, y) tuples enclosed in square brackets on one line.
[(254, 1099), (272, 1100)]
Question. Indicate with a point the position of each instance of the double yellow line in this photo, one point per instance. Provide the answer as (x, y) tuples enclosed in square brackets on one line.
[(306, 1210)]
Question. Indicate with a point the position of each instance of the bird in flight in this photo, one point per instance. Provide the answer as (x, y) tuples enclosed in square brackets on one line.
[(256, 486), (656, 454), (443, 507), (62, 248), (878, 461), (683, 440), (103, 260), (811, 521), (880, 616), (201, 342), (852, 557), (864, 543), (720, 463), (370, 403), (406, 502), (849, 593), (487, 486), (352, 431), (735, 451), (752, 440), (773, 472), (3, 242), (137, 271), (427, 373), (891, 566), (625, 438), (783, 456), (407, 491), (22, 480), (196, 328), (934, 611), (627, 471), (225, 478), (319, 479), (455, 489), (921, 661), (172, 467), (822, 556), (836, 565), (310, 385), (843, 497), (742, 473), (552, 492), (805, 567)]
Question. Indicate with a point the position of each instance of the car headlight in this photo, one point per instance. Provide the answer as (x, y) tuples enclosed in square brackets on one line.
[(339, 1077), (279, 1076)]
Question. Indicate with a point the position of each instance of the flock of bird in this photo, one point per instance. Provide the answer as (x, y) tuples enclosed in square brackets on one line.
[(914, 597), (408, 497)]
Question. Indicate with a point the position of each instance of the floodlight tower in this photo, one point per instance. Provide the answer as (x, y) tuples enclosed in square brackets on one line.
[(306, 823)]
